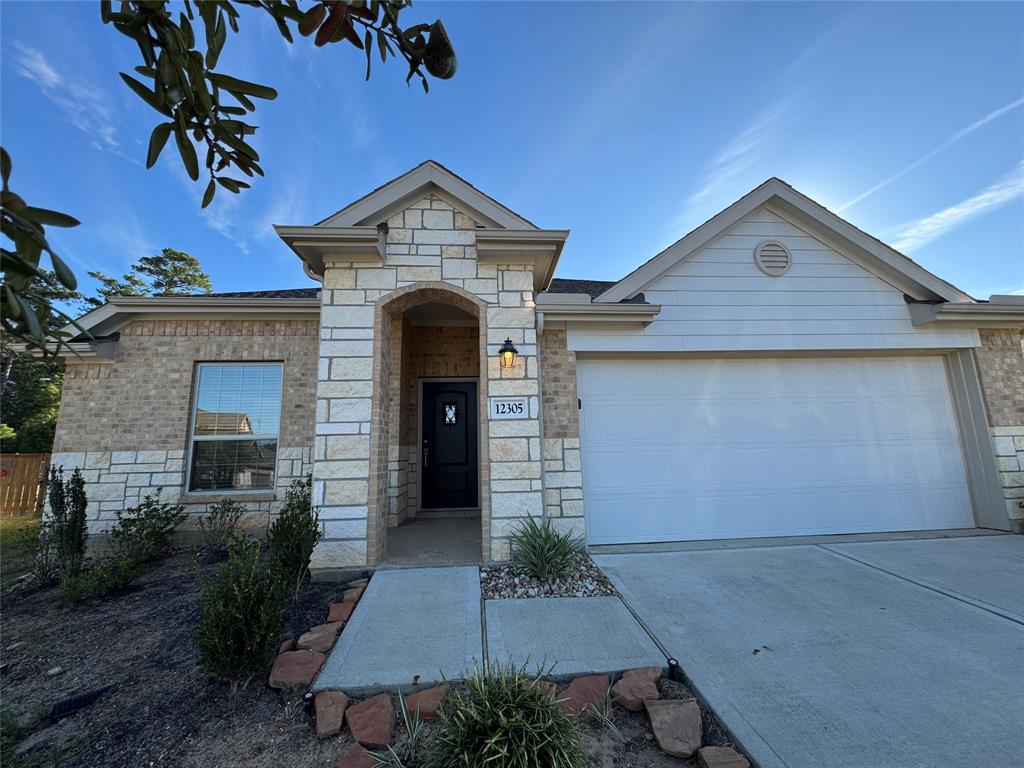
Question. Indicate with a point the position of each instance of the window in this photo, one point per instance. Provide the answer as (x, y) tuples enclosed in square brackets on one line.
[(235, 423)]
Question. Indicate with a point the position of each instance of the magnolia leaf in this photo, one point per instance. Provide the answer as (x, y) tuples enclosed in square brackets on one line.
[(312, 19), (5, 166), (145, 94), (368, 45), (211, 188), (63, 272), (156, 142), (186, 150), (48, 218), (237, 86)]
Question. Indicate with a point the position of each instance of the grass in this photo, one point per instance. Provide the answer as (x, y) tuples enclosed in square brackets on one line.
[(18, 537)]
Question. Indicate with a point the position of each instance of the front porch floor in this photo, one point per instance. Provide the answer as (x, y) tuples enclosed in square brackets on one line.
[(422, 542)]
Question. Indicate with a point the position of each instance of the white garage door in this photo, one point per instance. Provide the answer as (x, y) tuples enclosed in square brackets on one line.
[(675, 450)]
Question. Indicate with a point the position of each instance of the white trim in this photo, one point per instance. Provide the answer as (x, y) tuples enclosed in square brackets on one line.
[(191, 438), (991, 314), (383, 202), (783, 199)]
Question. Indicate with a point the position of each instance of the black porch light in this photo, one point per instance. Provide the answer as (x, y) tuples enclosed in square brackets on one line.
[(507, 354)]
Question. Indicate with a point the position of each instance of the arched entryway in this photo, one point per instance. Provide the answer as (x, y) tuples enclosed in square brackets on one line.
[(429, 488)]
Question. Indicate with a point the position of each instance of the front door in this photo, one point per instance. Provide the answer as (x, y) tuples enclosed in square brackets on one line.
[(449, 452)]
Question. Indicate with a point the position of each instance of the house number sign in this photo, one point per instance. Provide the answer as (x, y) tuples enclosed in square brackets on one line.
[(509, 408)]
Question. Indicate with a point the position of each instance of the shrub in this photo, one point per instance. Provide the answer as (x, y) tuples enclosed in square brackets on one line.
[(143, 533), (218, 527), (65, 530), (44, 561), (545, 552), (295, 533), (241, 616), (504, 719), (108, 576)]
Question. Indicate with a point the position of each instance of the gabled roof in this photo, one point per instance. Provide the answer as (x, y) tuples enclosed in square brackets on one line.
[(429, 176), (779, 197)]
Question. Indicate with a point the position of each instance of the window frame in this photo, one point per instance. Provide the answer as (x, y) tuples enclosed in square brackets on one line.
[(193, 438)]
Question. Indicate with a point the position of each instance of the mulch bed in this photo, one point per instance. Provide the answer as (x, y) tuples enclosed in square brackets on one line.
[(165, 710), (498, 582)]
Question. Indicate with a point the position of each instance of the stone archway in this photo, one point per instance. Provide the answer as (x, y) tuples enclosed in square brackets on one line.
[(392, 458)]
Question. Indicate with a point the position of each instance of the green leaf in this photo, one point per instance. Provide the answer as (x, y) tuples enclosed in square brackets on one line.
[(211, 188), (311, 19), (156, 142), (49, 218), (235, 85), (5, 166), (145, 94), (232, 185), (30, 319), (186, 150), (63, 272), (368, 47)]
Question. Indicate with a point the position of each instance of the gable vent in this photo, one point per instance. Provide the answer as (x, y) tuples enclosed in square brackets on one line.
[(772, 258)]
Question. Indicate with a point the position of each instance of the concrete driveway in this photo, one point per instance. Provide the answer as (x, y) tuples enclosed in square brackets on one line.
[(905, 653)]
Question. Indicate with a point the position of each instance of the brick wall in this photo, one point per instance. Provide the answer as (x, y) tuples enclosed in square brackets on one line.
[(141, 400), (563, 478), (125, 423), (1001, 367)]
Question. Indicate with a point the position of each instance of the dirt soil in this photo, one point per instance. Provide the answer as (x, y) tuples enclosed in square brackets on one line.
[(165, 710)]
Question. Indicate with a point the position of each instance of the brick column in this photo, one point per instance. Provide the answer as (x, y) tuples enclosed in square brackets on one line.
[(1001, 366)]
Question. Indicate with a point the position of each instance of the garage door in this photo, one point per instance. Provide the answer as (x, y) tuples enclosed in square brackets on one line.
[(676, 450)]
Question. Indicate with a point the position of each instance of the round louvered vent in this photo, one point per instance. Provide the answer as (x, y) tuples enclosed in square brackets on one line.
[(772, 258)]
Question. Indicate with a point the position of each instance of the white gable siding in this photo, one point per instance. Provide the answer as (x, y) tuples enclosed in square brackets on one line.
[(718, 300)]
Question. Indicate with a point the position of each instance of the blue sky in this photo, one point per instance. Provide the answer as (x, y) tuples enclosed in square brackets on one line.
[(627, 123)]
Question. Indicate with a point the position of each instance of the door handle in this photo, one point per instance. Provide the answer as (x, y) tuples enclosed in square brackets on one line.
[(426, 456)]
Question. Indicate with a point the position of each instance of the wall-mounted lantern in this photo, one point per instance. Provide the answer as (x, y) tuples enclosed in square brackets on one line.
[(507, 354)]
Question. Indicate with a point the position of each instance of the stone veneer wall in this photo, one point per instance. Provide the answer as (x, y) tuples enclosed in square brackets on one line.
[(563, 477), (125, 423), (430, 255), (1001, 366)]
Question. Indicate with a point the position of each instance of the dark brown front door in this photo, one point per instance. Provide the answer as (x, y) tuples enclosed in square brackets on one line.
[(449, 452)]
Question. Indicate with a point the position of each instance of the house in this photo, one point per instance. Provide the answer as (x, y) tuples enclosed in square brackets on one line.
[(776, 372)]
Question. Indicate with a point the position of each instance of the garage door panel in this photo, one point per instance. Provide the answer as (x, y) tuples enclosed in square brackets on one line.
[(772, 467), (676, 450)]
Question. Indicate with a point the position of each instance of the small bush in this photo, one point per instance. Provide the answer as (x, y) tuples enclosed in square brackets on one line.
[(44, 561), (143, 533), (242, 614), (107, 577), (545, 552), (295, 533), (504, 719), (65, 530), (218, 527)]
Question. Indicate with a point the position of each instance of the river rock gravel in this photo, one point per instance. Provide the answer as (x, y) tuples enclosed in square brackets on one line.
[(514, 582)]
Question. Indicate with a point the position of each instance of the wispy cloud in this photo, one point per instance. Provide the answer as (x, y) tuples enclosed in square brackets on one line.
[(83, 104), (735, 160), (962, 133), (740, 153), (916, 234)]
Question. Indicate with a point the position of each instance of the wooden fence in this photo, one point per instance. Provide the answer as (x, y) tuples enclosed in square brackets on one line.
[(23, 483)]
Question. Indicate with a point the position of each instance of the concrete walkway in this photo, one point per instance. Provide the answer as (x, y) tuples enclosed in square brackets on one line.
[(907, 654), (411, 626), (569, 636), (419, 626)]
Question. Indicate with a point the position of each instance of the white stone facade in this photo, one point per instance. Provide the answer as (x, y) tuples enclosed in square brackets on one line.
[(1008, 443), (563, 484), (116, 480), (429, 246)]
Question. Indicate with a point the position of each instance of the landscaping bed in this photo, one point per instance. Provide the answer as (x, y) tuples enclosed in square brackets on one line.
[(582, 579), (166, 710)]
